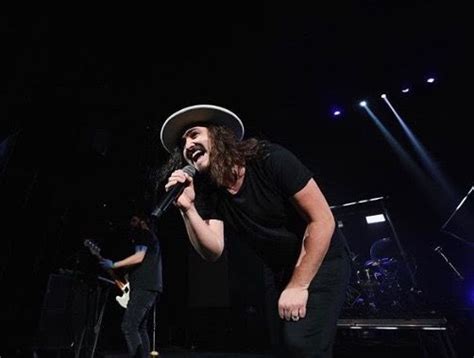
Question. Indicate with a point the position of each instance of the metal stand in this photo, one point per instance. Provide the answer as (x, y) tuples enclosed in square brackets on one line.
[(400, 247), (96, 308), (439, 250), (154, 352), (444, 226)]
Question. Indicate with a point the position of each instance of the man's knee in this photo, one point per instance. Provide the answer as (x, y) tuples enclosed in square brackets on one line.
[(295, 344), (305, 346), (128, 326)]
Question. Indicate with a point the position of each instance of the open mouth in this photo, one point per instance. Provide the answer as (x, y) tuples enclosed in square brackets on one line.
[(195, 153)]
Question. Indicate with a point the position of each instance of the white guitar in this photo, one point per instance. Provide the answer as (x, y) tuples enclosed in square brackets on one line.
[(123, 286)]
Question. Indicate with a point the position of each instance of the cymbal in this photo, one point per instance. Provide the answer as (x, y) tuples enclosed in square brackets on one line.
[(385, 261)]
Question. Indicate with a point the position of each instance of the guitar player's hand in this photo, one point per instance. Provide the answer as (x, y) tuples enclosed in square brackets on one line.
[(107, 264)]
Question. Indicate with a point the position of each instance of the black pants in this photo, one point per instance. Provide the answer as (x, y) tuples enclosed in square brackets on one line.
[(135, 321), (312, 336)]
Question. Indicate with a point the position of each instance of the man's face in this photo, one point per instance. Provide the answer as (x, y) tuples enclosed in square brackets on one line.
[(134, 222), (197, 146)]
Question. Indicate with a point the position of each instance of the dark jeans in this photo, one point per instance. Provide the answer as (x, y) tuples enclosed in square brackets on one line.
[(312, 336), (135, 321)]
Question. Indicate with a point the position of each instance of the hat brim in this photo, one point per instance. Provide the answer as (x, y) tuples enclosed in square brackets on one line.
[(175, 125)]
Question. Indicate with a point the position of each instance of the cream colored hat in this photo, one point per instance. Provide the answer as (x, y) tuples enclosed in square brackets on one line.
[(175, 125)]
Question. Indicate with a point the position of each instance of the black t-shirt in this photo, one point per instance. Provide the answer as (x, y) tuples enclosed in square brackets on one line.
[(148, 274), (261, 212)]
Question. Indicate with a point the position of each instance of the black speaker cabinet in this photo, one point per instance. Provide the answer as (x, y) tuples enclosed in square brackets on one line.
[(63, 312)]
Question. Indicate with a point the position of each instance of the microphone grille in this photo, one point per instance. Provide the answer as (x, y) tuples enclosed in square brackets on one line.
[(190, 170)]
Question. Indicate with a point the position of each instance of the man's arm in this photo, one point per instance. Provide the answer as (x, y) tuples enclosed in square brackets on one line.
[(131, 260), (206, 236), (312, 205)]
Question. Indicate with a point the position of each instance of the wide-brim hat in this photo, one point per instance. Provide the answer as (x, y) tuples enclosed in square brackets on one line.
[(200, 114)]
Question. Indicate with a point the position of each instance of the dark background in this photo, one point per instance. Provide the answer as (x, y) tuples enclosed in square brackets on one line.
[(84, 94)]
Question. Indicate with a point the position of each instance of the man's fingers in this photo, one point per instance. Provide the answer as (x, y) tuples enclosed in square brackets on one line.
[(295, 316), (188, 177), (292, 314), (284, 312), (281, 312), (302, 312), (176, 177)]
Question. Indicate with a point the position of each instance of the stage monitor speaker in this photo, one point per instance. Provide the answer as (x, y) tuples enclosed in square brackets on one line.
[(63, 312)]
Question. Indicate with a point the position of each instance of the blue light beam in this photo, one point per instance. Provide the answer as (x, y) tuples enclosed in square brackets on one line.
[(425, 158), (405, 158)]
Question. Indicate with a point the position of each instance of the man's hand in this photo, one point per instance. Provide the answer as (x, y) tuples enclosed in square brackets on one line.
[(106, 264), (186, 199), (292, 303)]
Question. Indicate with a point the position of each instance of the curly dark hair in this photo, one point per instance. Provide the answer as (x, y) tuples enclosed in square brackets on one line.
[(227, 151)]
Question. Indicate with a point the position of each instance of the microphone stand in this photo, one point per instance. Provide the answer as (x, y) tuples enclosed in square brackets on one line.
[(154, 352), (443, 227), (439, 250)]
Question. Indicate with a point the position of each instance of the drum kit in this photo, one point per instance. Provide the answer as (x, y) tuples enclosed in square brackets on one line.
[(376, 288)]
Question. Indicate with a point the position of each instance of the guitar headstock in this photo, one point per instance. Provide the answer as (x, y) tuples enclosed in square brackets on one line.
[(93, 247)]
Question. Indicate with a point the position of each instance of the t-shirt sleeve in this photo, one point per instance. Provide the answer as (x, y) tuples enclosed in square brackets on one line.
[(145, 238), (289, 174)]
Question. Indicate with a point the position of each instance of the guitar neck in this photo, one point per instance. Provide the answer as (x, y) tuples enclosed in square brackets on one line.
[(96, 252), (118, 282), (113, 275)]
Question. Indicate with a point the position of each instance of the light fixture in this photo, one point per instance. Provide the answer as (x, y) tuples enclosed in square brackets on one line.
[(372, 219)]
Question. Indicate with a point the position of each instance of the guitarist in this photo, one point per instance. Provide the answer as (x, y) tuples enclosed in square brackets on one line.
[(145, 278)]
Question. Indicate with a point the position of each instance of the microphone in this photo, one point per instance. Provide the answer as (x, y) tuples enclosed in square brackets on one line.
[(173, 193)]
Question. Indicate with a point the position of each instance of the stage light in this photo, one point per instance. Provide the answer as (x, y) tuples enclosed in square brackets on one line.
[(383, 95), (405, 90), (372, 219), (363, 104), (335, 111), (430, 80)]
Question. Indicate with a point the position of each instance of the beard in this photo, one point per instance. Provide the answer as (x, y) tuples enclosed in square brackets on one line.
[(134, 231)]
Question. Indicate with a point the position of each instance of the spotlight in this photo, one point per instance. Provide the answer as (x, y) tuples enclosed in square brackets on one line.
[(383, 95), (430, 80), (405, 90), (363, 104), (335, 111)]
